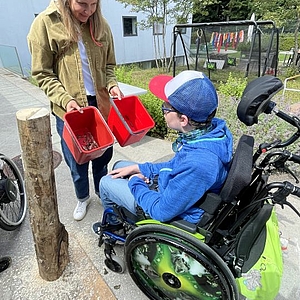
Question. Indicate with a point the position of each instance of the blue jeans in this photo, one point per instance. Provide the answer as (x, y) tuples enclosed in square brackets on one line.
[(79, 173), (116, 191)]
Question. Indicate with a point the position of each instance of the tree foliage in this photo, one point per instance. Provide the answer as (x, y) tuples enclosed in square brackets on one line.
[(281, 12), (222, 10)]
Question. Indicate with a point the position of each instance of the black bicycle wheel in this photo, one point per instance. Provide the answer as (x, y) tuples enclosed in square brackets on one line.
[(13, 203), (167, 263)]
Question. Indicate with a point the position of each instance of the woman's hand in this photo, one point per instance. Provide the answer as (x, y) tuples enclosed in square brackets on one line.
[(115, 92), (72, 105)]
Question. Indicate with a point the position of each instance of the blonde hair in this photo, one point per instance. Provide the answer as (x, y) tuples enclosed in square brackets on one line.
[(73, 26)]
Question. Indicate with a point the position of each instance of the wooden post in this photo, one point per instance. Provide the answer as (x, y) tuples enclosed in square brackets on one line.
[(50, 236)]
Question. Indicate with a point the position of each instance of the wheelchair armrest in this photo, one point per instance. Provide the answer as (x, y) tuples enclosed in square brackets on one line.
[(185, 225)]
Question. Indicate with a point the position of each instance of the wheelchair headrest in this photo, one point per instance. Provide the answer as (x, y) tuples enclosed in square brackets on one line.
[(256, 98), (239, 175)]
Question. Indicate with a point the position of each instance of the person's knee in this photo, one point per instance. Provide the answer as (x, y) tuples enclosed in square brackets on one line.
[(104, 182), (122, 163), (106, 185), (118, 164)]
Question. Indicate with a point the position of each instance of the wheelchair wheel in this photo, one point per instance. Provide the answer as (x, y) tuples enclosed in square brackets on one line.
[(115, 263), (167, 263), (13, 204)]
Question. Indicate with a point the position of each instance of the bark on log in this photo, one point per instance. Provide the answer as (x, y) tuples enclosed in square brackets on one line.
[(49, 234)]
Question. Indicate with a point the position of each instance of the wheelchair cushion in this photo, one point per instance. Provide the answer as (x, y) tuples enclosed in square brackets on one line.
[(240, 171), (256, 98)]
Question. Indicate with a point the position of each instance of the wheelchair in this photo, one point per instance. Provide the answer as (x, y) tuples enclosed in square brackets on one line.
[(13, 202), (210, 260)]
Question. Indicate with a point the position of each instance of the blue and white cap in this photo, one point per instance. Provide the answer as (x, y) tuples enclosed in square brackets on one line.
[(190, 92)]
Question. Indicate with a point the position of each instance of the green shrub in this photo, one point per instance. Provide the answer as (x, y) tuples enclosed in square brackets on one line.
[(291, 71), (287, 41), (124, 73), (233, 87), (269, 126), (153, 106)]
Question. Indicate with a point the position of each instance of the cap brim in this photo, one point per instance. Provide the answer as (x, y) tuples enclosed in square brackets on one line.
[(157, 86)]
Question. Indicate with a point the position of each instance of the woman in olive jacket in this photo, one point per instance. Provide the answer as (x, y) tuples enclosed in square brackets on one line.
[(73, 62)]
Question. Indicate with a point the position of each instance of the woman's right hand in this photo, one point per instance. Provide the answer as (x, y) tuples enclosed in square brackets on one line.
[(72, 105)]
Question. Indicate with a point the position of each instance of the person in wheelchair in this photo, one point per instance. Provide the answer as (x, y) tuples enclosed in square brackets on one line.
[(203, 151)]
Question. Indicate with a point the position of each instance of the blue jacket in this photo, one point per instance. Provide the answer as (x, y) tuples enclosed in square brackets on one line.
[(201, 165)]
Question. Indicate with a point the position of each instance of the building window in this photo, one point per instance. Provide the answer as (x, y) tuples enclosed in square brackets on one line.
[(158, 28), (129, 26)]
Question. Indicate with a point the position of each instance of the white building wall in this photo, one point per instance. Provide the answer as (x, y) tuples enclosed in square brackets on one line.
[(15, 20), (131, 49), (16, 17)]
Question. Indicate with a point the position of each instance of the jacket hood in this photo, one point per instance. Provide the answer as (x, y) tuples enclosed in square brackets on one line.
[(214, 141)]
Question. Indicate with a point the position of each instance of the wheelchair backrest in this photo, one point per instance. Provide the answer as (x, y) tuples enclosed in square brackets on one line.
[(239, 175)]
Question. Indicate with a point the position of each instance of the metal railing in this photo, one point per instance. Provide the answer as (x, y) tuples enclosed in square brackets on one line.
[(285, 88), (9, 59)]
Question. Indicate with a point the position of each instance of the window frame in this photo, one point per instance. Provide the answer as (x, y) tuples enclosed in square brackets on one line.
[(134, 31), (158, 28)]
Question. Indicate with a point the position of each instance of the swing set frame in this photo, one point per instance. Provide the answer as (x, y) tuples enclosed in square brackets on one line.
[(177, 33)]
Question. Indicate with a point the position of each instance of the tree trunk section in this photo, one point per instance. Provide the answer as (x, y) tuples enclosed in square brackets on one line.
[(49, 234)]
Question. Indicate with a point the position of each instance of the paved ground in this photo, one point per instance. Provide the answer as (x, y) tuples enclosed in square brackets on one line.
[(86, 276)]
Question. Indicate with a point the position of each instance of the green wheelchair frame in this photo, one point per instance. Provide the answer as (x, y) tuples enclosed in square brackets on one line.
[(180, 260)]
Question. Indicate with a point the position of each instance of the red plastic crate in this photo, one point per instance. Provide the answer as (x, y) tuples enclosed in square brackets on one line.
[(129, 120), (78, 126)]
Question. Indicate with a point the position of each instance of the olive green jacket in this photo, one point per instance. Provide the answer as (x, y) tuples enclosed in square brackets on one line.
[(58, 70)]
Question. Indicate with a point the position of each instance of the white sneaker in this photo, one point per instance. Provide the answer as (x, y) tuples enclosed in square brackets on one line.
[(80, 210)]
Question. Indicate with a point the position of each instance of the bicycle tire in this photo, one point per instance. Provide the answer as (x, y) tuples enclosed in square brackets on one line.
[(12, 209)]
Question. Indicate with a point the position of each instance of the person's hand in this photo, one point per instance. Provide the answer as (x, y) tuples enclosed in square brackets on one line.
[(140, 175), (115, 92), (72, 105), (125, 171)]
